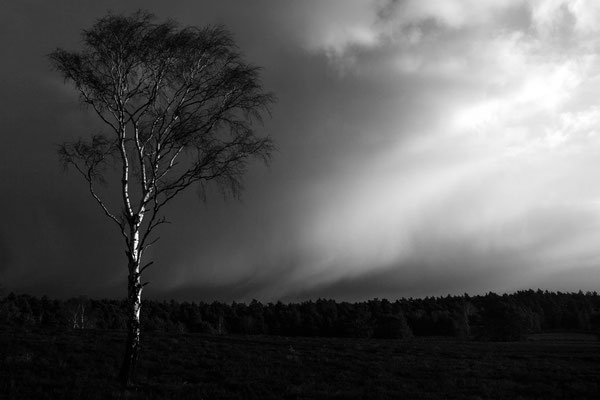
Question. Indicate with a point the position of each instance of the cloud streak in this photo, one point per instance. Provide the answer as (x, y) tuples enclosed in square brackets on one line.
[(509, 161)]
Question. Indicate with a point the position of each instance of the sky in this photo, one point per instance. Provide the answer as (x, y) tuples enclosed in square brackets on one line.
[(425, 148)]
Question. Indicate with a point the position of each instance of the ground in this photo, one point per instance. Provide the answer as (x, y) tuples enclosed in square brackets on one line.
[(83, 365)]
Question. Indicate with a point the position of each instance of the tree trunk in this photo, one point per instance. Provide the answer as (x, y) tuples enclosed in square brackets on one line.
[(134, 304)]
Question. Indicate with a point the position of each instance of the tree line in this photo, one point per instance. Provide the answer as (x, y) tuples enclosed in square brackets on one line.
[(483, 317)]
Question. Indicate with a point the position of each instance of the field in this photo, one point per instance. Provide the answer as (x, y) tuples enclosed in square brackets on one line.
[(82, 365)]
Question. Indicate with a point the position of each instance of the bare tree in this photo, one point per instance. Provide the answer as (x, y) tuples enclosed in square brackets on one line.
[(180, 107), (76, 308)]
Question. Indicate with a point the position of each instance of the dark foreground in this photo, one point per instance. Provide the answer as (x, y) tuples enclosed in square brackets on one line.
[(82, 365)]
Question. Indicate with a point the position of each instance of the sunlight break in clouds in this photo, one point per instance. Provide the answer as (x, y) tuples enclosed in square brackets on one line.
[(515, 160)]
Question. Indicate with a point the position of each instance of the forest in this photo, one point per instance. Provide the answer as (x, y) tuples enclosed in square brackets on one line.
[(489, 317)]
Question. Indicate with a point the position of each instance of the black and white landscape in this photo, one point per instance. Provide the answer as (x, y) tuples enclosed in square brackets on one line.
[(309, 182)]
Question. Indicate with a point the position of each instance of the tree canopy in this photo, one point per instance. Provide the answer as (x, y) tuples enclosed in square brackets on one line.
[(181, 106)]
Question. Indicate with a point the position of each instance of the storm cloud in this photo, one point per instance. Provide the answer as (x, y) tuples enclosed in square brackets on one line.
[(425, 148)]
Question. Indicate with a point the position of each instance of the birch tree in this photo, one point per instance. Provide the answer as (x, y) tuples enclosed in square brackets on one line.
[(180, 107)]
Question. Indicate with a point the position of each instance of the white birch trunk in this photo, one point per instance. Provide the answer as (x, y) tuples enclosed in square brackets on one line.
[(134, 305)]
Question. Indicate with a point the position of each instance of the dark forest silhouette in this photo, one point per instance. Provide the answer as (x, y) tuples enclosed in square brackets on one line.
[(494, 317)]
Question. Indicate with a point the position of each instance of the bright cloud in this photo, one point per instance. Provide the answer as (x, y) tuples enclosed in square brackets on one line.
[(496, 171), (517, 158)]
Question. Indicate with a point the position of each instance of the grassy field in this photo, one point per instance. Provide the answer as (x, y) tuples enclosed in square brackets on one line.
[(82, 365)]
